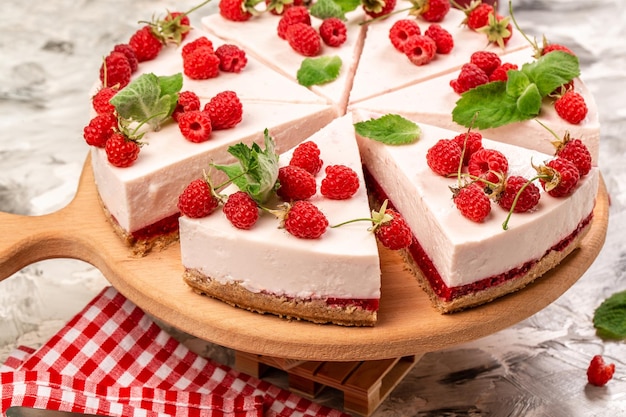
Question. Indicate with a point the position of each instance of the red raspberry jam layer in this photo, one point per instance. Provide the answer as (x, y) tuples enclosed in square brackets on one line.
[(163, 227), (429, 271)]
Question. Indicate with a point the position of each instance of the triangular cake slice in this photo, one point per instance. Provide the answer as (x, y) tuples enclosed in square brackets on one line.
[(461, 263), (141, 199), (258, 36), (384, 69), (432, 102), (335, 278)]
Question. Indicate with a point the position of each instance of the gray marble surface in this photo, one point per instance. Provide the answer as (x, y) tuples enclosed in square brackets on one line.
[(535, 368)]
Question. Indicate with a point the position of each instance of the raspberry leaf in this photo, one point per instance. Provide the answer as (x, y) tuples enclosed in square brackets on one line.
[(529, 102), (552, 70), (323, 9), (390, 129), (487, 106), (148, 99), (610, 317), (314, 71)]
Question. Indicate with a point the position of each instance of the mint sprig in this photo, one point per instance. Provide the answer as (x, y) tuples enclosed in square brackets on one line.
[(149, 99), (390, 129), (256, 171), (499, 103), (324, 9), (610, 317), (322, 70)]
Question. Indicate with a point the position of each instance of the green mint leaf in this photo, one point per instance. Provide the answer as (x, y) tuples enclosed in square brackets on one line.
[(148, 99), (390, 129), (323, 9), (610, 317), (517, 83), (529, 102), (348, 5), (314, 71), (256, 171), (552, 70)]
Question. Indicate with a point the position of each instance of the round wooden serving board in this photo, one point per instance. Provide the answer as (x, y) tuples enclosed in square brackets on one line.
[(407, 324)]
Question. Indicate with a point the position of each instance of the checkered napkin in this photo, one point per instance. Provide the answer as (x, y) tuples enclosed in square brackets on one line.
[(112, 359)]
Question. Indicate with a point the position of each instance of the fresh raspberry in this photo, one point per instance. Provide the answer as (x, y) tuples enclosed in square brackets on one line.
[(478, 17), (100, 129), (115, 70), (295, 183), (501, 73), (296, 14), (197, 200), (394, 234), (340, 183), (443, 39), (225, 110), (378, 8), (145, 44), (304, 39), (101, 101), (498, 30), (236, 10), (241, 210), (401, 31), (333, 32), (547, 48), (488, 164), (195, 125), (469, 142), (528, 198), (201, 64), (420, 49), (129, 53), (187, 101), (444, 157), (472, 202), (575, 151), (486, 61), (558, 177), (232, 58), (571, 107), (307, 156), (435, 10), (278, 7), (176, 26), (599, 373), (201, 42), (305, 220), (469, 77), (121, 151)]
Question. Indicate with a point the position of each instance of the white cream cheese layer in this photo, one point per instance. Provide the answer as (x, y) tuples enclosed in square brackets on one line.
[(343, 263), (432, 102), (464, 251)]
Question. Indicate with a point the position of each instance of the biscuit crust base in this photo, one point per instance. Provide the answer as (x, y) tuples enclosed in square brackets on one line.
[(549, 261), (317, 311)]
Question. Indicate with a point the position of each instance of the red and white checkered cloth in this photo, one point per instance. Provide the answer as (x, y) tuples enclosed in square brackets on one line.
[(112, 359)]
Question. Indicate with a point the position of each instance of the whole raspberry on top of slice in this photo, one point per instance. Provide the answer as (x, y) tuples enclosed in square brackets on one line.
[(498, 30), (201, 64), (195, 126), (293, 15), (486, 60), (469, 142), (121, 150), (558, 177), (469, 77), (100, 129), (472, 202), (444, 157), (378, 8), (599, 373), (129, 53), (488, 164), (238, 10), (101, 101), (340, 183), (431, 10), (575, 151), (175, 26), (307, 156), (305, 220), (333, 32), (443, 39), (401, 31), (187, 101), (197, 199), (232, 58), (304, 39), (295, 183), (145, 43), (571, 107), (518, 194), (278, 7), (501, 73), (225, 110), (241, 210), (477, 14), (391, 229), (201, 42), (115, 71), (420, 49)]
